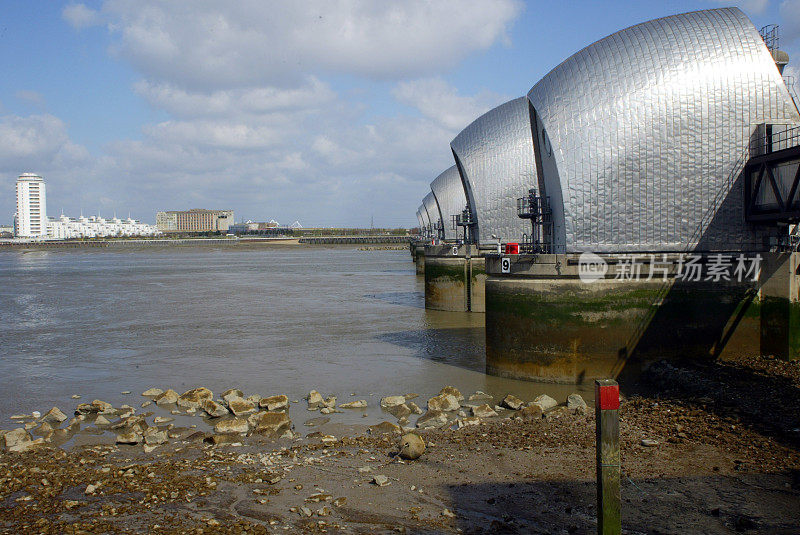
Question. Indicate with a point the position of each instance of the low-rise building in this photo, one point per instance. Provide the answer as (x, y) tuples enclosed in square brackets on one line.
[(194, 220), (65, 228)]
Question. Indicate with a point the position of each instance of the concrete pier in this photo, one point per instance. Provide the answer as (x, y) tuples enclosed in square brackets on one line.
[(544, 323), (455, 277), (418, 252)]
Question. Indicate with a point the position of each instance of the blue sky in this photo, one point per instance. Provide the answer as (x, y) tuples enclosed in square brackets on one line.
[(324, 112)]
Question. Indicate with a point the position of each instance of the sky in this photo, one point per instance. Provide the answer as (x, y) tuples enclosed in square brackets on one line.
[(330, 112)]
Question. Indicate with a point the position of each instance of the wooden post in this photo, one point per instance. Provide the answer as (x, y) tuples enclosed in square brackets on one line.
[(606, 402)]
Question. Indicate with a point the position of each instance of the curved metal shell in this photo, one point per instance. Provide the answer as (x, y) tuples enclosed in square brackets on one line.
[(494, 156), (449, 193), (648, 132), (419, 219), (426, 222), (429, 202)]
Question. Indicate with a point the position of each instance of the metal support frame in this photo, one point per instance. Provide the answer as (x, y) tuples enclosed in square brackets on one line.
[(464, 219), (536, 208), (758, 173)]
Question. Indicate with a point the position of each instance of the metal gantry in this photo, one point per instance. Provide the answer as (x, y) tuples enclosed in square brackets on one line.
[(536, 208), (464, 220), (772, 176)]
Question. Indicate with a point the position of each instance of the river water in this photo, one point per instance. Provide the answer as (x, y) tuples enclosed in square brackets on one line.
[(267, 320)]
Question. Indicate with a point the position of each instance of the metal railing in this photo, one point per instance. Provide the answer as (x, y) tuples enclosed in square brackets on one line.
[(774, 140), (771, 36), (465, 221), (536, 208), (528, 245)]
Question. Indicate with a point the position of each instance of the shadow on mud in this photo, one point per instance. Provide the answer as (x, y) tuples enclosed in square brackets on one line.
[(762, 392), (462, 347), (711, 504), (407, 299)]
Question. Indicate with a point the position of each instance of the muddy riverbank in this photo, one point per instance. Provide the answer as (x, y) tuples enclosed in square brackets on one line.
[(712, 470)]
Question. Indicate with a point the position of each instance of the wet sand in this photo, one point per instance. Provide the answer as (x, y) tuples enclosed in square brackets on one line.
[(718, 467)]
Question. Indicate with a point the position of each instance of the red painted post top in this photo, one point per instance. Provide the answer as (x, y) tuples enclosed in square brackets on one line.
[(606, 395), (512, 248)]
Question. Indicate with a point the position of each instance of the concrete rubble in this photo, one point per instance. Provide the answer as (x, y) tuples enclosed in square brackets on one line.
[(233, 418), (512, 402), (545, 402), (444, 402), (392, 401), (360, 404), (168, 397), (274, 403)]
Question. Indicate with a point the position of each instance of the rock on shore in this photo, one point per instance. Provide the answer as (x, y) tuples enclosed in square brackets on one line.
[(194, 398), (231, 425), (214, 409), (167, 397), (432, 418), (360, 404), (512, 402), (444, 402), (54, 416), (483, 411), (411, 446), (274, 403), (274, 423), (576, 404), (392, 401), (545, 402)]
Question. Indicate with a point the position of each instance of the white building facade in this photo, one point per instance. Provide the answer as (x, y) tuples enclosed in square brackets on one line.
[(30, 221), (65, 228)]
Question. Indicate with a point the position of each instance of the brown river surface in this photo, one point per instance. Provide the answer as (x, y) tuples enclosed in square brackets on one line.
[(267, 320)]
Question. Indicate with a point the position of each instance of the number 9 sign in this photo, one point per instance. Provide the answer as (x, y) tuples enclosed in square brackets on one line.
[(505, 265)]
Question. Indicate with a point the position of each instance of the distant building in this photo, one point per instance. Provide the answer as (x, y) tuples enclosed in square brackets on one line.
[(30, 221), (258, 228), (6, 231), (65, 228), (253, 225), (195, 220)]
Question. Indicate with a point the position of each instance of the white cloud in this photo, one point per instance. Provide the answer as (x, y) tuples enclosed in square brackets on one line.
[(438, 100), (79, 16), (253, 123), (35, 141), (254, 100), (294, 174), (220, 134), (206, 44)]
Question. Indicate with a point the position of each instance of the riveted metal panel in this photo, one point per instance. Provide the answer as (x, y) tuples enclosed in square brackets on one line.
[(449, 193), (649, 130), (495, 158), (429, 202)]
